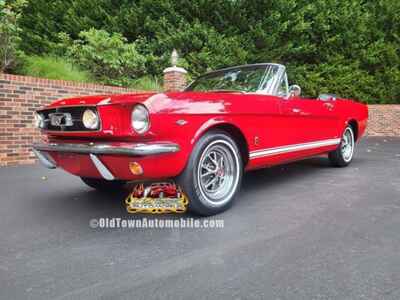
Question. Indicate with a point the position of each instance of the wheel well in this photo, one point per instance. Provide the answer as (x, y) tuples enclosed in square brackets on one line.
[(354, 126), (238, 137)]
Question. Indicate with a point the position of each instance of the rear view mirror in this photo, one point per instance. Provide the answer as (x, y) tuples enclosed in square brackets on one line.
[(294, 90)]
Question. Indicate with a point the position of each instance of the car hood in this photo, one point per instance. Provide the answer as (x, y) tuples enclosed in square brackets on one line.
[(102, 100), (176, 102)]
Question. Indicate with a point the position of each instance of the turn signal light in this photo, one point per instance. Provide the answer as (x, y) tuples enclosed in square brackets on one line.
[(135, 168)]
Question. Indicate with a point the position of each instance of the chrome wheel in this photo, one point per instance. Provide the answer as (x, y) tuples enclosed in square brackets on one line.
[(347, 144), (218, 173)]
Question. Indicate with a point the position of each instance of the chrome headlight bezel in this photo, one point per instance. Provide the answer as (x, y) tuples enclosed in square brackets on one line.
[(90, 119), (38, 120), (140, 119)]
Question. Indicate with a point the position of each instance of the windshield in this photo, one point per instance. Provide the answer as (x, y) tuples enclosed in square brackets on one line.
[(247, 79)]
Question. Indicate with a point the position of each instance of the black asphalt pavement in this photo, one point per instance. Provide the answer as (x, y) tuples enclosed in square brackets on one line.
[(299, 231)]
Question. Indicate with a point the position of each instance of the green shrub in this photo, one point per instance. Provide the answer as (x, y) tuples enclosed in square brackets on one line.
[(350, 47), (9, 34), (53, 68), (108, 57)]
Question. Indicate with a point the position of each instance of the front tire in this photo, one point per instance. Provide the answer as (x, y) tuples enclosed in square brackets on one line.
[(213, 175), (104, 185), (343, 155)]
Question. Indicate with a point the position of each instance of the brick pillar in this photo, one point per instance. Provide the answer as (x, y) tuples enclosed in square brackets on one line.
[(174, 79)]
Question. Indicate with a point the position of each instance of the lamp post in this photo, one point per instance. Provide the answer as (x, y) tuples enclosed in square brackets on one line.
[(174, 58)]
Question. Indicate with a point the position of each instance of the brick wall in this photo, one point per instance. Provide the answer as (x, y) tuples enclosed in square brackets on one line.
[(384, 120), (20, 96)]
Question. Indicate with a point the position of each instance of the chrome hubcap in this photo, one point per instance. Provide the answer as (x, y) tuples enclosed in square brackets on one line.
[(218, 172), (347, 145)]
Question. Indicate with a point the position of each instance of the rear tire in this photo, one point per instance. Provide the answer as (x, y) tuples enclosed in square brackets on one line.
[(104, 185), (213, 175), (343, 155)]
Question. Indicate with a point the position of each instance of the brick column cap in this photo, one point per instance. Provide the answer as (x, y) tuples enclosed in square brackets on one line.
[(175, 69)]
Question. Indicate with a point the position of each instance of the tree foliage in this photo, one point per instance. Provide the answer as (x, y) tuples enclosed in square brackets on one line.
[(348, 47), (9, 33), (107, 56)]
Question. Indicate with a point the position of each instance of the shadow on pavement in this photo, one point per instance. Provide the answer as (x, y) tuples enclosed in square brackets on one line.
[(92, 203)]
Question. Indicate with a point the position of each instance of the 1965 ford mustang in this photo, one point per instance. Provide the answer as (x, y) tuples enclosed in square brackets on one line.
[(224, 123)]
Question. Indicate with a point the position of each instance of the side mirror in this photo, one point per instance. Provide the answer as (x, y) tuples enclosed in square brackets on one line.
[(294, 90), (327, 97)]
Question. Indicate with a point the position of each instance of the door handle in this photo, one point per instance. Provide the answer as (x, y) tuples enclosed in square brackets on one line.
[(299, 111), (328, 105)]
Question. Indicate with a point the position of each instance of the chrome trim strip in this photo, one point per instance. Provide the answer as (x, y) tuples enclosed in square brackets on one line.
[(45, 159), (293, 148), (138, 149), (101, 168)]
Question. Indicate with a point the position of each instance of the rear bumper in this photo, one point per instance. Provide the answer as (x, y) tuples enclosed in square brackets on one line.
[(112, 161)]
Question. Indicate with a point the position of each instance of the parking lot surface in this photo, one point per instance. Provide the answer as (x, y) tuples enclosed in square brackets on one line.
[(299, 231)]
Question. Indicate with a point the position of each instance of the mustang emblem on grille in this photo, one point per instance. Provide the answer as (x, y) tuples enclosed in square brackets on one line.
[(61, 119)]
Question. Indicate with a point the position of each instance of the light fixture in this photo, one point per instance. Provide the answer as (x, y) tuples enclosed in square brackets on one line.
[(90, 119), (140, 119)]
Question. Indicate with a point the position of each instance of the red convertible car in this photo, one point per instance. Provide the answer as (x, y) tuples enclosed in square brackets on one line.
[(224, 123)]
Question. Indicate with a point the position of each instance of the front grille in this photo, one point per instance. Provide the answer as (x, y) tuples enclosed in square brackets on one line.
[(76, 115)]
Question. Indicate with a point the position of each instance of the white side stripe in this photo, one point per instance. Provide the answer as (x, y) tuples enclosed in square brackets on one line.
[(292, 148)]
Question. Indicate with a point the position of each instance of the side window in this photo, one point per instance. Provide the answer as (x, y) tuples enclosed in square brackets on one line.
[(283, 88), (268, 81)]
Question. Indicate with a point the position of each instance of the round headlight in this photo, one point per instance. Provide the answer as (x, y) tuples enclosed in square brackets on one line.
[(140, 119), (90, 119), (39, 120)]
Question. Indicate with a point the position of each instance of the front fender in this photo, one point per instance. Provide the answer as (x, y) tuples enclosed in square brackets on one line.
[(218, 121)]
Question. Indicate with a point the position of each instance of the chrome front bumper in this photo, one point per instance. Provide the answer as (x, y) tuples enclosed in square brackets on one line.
[(137, 149)]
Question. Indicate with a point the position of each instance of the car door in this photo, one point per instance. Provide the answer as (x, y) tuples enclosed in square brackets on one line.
[(309, 120), (306, 120)]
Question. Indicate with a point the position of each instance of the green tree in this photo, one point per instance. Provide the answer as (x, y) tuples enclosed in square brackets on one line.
[(348, 47), (107, 56), (9, 33)]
